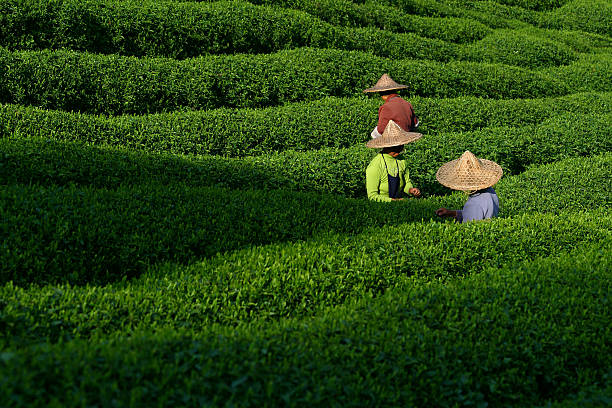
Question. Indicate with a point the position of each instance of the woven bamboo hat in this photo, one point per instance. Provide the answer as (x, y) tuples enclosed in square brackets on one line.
[(469, 173), (385, 83), (393, 135)]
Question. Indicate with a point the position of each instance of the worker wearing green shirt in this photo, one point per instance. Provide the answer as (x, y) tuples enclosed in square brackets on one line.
[(387, 178)]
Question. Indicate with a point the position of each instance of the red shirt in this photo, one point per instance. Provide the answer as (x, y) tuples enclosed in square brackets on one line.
[(399, 110)]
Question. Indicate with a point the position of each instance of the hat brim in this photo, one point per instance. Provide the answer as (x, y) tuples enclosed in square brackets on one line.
[(488, 176), (385, 88), (405, 138)]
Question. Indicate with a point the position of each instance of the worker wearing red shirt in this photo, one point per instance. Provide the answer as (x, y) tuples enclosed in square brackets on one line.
[(394, 107)]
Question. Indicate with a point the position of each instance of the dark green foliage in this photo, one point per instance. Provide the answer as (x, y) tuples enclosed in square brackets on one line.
[(330, 122), (519, 48), (328, 170), (593, 16), (115, 85), (70, 234), (513, 336), (571, 184), (289, 279), (184, 30)]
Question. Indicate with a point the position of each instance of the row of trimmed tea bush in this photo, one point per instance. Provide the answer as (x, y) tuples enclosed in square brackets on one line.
[(337, 171), (537, 5), (184, 30), (593, 16), (329, 122), (79, 234), (372, 14), (115, 85), (521, 335), (489, 13), (288, 279), (181, 29)]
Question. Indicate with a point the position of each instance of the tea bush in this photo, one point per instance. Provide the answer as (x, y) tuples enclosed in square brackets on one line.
[(348, 13), (329, 170), (521, 335), (288, 279), (80, 234), (329, 122), (593, 16), (185, 30), (114, 85)]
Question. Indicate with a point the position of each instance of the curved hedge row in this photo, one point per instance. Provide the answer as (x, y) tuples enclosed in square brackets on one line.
[(185, 30), (489, 13), (572, 184), (350, 14), (520, 48), (593, 16), (337, 171), (115, 85), (329, 122), (80, 234), (519, 335), (289, 279), (537, 5)]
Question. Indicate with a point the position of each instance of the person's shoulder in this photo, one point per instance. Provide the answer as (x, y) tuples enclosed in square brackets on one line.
[(376, 160)]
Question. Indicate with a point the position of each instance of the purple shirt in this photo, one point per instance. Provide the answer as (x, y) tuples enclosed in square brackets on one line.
[(481, 205)]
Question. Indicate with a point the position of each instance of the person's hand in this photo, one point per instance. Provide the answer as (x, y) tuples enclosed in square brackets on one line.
[(415, 192), (396, 199), (442, 212)]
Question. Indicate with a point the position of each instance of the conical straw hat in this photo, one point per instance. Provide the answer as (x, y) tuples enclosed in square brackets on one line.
[(469, 173), (385, 83), (393, 135)]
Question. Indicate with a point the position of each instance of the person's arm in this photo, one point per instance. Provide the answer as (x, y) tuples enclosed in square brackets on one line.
[(415, 119), (409, 189), (443, 212), (383, 118), (373, 184)]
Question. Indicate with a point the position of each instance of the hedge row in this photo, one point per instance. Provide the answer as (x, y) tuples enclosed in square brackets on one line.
[(185, 30), (350, 14), (586, 15), (489, 13), (115, 85), (537, 5), (516, 336), (288, 279), (571, 184), (337, 171), (329, 122), (593, 16), (80, 234)]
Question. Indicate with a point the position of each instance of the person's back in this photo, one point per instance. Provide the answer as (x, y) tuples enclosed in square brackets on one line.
[(399, 110), (481, 205)]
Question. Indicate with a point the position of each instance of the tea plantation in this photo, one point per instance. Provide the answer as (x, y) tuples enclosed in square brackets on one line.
[(184, 221)]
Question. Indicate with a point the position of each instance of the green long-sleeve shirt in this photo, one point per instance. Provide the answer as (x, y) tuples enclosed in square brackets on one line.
[(377, 184)]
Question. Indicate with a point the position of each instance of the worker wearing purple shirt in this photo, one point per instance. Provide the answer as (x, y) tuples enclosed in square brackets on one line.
[(476, 177)]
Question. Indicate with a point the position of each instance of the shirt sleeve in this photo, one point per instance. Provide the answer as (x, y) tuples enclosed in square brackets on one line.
[(408, 185), (383, 118), (372, 184)]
